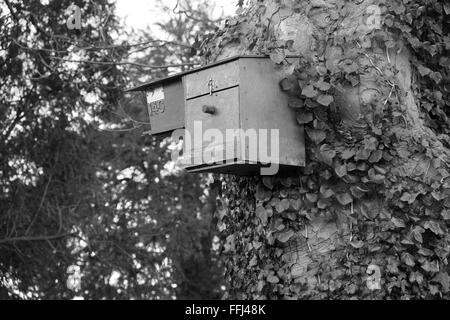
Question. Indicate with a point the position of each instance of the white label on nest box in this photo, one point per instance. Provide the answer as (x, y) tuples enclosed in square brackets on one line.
[(155, 95)]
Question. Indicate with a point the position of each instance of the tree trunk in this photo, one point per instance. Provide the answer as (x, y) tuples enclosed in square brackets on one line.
[(368, 216)]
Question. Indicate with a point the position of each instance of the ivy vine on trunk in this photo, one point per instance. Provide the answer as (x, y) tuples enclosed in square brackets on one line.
[(368, 216)]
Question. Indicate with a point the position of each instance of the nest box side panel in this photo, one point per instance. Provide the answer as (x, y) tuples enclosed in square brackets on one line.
[(264, 106), (165, 105)]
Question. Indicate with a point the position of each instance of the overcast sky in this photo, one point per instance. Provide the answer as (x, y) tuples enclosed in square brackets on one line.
[(139, 14)]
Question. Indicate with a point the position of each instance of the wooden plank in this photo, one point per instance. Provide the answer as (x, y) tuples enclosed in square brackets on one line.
[(165, 107), (226, 117), (264, 106), (221, 77)]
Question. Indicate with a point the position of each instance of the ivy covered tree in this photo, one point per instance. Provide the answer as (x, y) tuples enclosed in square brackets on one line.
[(368, 216)]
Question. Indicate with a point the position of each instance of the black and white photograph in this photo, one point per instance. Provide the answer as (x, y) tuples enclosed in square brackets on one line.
[(223, 156)]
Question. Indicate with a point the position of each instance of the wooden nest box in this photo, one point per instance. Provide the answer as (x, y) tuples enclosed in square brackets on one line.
[(220, 108)]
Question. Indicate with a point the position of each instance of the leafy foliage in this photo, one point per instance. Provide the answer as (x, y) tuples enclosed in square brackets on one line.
[(81, 187)]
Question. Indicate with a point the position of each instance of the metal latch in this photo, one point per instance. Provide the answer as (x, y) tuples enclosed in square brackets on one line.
[(211, 86)]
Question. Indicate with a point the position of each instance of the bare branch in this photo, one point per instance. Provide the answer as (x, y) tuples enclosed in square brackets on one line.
[(36, 238), (121, 130), (145, 44), (8, 4), (44, 195), (118, 63), (19, 116)]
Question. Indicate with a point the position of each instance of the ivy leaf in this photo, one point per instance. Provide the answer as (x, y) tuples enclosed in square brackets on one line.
[(408, 197), (325, 99), (283, 205), (312, 104), (279, 225), (344, 198), (322, 85), (357, 192), (256, 245), (423, 70), (376, 156), (430, 266), (221, 226), (272, 279), (316, 136), (304, 117), (326, 192), (262, 194), (351, 166), (222, 212), (445, 214), (327, 154), (447, 9), (261, 213), (376, 178), (261, 283), (322, 204), (362, 154), (309, 91), (349, 66), (438, 195), (321, 69), (392, 265), (408, 259), (326, 175), (328, 230), (230, 244), (289, 84), (347, 154), (295, 103), (267, 181), (312, 197), (399, 223), (414, 41), (444, 280), (287, 182), (369, 210), (417, 234), (434, 227), (278, 56), (379, 169), (296, 204), (284, 237), (416, 277), (436, 76), (434, 290), (389, 22), (253, 262), (357, 244), (425, 252), (366, 42), (341, 171)]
